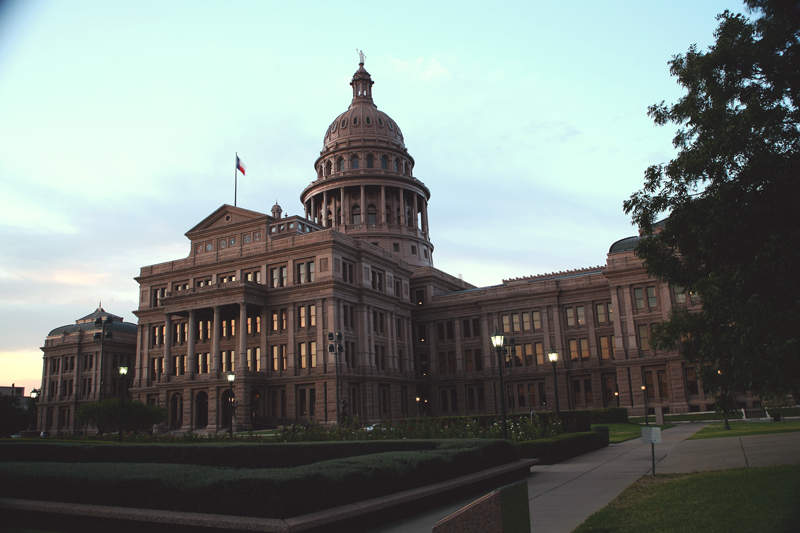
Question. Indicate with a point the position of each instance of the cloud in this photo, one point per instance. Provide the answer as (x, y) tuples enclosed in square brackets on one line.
[(420, 68)]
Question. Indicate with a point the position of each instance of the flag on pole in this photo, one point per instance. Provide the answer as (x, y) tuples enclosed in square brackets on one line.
[(239, 165)]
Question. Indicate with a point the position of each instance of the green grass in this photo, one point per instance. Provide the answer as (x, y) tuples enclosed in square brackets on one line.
[(622, 432), (739, 429), (754, 499), (687, 417)]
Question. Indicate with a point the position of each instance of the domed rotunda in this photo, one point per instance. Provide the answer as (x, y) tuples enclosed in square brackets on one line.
[(364, 182)]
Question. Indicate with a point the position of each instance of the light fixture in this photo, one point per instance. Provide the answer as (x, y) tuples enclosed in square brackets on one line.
[(497, 340), (553, 357), (231, 377), (123, 371)]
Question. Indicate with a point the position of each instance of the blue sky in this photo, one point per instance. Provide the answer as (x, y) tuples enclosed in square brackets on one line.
[(119, 122)]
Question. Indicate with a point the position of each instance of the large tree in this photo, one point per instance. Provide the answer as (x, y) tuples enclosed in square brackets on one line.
[(730, 199)]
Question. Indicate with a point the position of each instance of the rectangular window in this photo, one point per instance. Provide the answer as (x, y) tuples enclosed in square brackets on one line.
[(644, 336), (312, 315), (348, 272), (638, 298), (652, 302), (570, 316), (606, 346), (573, 349), (539, 348), (506, 324), (600, 312), (581, 315), (526, 321), (283, 319), (275, 357), (465, 329), (584, 348), (302, 355), (680, 295), (377, 280), (312, 353), (301, 316), (522, 397), (528, 354), (515, 324), (467, 357), (537, 320)]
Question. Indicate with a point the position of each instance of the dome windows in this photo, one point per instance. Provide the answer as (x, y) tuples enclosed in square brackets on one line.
[(370, 159), (384, 162), (354, 162), (368, 121), (340, 164), (397, 165), (344, 123), (380, 122), (355, 214), (328, 166), (355, 121)]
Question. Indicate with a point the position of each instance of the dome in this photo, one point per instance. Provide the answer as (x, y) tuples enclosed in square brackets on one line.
[(362, 121)]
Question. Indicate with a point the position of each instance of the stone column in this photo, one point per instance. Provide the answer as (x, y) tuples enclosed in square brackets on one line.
[(291, 366), (363, 205), (215, 342), (344, 207), (619, 347), (146, 368), (459, 354), (190, 350), (382, 207), (140, 342), (633, 345), (486, 349), (241, 362), (324, 209), (169, 369), (265, 358), (414, 211), (425, 217), (403, 218)]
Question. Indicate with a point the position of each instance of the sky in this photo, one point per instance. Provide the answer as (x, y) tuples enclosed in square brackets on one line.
[(119, 124)]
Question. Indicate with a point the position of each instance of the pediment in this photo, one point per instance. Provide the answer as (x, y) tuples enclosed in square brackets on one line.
[(225, 216)]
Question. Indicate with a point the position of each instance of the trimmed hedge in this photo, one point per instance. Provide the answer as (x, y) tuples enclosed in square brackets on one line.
[(232, 454), (277, 493), (556, 449)]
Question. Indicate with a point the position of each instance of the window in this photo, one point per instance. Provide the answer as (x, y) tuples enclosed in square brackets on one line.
[(601, 313), (209, 246), (348, 272), (537, 320), (644, 336), (372, 215), (526, 321), (528, 354), (691, 381), (301, 316), (652, 302), (570, 316), (384, 162), (584, 348), (246, 238), (539, 348), (370, 161), (355, 214), (354, 162), (573, 349), (396, 247), (312, 315), (506, 323), (278, 276), (397, 165), (581, 315), (638, 298), (680, 295), (340, 164), (606, 346), (254, 359), (377, 280), (515, 322), (253, 276), (304, 272), (302, 355)]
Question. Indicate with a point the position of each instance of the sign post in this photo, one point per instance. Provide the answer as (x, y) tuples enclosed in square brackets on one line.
[(652, 434)]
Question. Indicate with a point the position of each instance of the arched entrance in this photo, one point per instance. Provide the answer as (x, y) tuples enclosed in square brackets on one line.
[(201, 410), (226, 404), (176, 411)]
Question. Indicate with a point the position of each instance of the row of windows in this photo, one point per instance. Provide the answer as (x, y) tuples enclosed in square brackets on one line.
[(227, 242), (354, 162)]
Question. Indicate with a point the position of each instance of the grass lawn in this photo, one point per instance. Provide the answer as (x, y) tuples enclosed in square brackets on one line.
[(753, 499), (739, 429), (621, 432)]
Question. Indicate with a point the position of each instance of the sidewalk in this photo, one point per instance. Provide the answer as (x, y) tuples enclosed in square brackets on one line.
[(563, 495)]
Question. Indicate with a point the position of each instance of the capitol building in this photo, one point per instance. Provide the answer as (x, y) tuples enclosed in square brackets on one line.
[(339, 312)]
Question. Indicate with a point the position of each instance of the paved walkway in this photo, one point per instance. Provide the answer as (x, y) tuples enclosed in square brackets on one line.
[(563, 495)]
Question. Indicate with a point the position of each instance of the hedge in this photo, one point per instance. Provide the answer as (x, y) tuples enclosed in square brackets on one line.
[(274, 492), (231, 454), (561, 447)]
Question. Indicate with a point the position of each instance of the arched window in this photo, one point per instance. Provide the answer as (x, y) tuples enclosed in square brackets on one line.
[(372, 215), (384, 162), (355, 214), (354, 162), (370, 161), (397, 165), (176, 411), (328, 167), (340, 164), (201, 410)]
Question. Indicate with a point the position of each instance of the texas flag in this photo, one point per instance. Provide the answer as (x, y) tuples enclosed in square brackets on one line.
[(239, 165)]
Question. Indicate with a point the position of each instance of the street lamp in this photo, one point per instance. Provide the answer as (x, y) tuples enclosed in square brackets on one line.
[(497, 342), (335, 347), (616, 395), (34, 395), (644, 392), (102, 322), (553, 357), (231, 377), (123, 373)]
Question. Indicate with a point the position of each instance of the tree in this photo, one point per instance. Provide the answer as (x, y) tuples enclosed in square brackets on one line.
[(111, 415), (731, 232)]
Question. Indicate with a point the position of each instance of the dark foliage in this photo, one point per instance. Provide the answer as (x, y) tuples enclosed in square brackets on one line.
[(112, 414), (561, 447), (730, 193), (13, 417)]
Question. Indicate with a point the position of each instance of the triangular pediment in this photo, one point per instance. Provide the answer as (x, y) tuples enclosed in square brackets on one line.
[(225, 216)]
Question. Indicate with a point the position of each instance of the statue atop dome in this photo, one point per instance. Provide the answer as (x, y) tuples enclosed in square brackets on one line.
[(361, 56)]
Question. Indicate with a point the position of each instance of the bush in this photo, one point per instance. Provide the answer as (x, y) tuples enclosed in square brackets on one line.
[(239, 455), (555, 449), (113, 415), (610, 415), (279, 492)]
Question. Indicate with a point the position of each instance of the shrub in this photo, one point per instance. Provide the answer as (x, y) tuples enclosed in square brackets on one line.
[(112, 414), (554, 449)]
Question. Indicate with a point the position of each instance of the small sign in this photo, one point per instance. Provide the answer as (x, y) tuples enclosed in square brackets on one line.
[(651, 434)]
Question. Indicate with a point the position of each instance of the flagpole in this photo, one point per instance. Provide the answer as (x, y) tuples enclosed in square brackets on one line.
[(235, 178)]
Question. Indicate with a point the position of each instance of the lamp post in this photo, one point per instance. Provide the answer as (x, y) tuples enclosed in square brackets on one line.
[(102, 322), (644, 393), (616, 396), (34, 395), (497, 342), (553, 357), (335, 347), (231, 377), (123, 374)]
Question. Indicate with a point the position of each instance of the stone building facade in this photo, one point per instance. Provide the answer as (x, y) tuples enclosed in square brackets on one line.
[(80, 364), (259, 294)]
